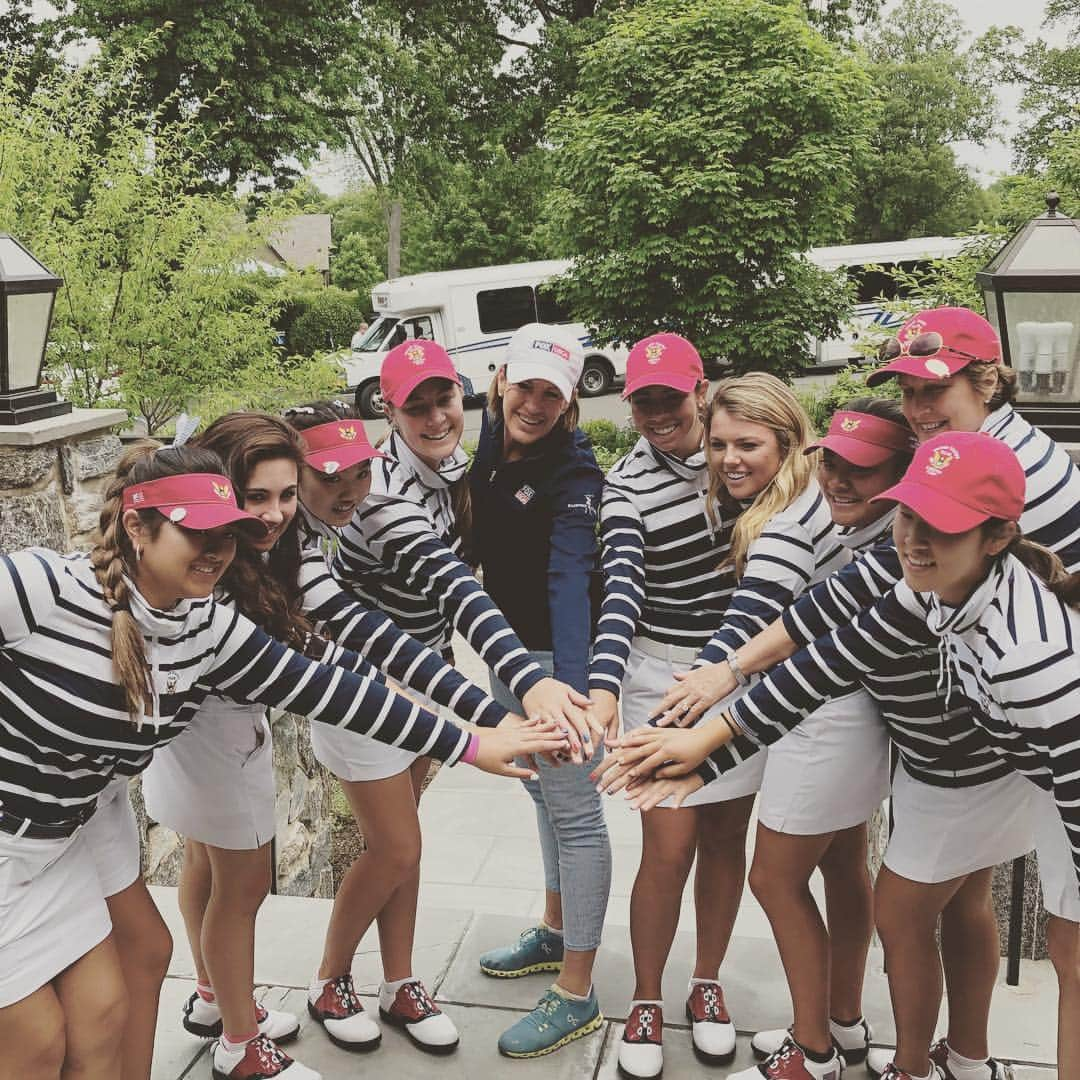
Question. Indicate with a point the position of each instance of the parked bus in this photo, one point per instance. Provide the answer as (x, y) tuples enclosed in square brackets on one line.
[(472, 313)]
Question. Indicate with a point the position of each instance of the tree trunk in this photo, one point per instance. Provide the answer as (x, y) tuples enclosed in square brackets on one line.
[(393, 247)]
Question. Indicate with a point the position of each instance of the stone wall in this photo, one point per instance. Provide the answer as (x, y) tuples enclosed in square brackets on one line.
[(50, 495), (53, 475)]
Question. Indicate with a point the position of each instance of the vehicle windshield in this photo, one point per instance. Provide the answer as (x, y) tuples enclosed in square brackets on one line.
[(377, 333)]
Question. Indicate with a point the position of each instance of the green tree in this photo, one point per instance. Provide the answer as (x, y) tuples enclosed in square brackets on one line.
[(356, 267), (327, 323), (249, 72), (1049, 78), (708, 144), (154, 310), (935, 91)]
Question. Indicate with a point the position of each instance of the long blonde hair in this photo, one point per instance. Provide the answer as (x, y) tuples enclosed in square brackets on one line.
[(760, 398)]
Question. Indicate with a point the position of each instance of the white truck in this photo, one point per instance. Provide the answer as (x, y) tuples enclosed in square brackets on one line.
[(472, 314)]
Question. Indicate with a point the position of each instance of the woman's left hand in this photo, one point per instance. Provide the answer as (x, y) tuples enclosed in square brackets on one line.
[(651, 793), (642, 751)]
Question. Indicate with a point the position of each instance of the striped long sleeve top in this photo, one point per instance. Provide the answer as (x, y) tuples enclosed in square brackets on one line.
[(1008, 652), (64, 726), (1051, 517), (400, 554), (337, 614), (660, 557), (798, 548)]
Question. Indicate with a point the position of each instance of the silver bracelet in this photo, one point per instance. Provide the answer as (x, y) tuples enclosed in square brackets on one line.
[(740, 676)]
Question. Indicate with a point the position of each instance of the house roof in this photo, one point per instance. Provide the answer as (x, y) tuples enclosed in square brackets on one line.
[(303, 241)]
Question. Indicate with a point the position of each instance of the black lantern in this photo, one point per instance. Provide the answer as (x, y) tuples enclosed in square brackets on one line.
[(27, 293), (1031, 289)]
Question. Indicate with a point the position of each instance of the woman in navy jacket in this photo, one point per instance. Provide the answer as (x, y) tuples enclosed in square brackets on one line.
[(535, 489)]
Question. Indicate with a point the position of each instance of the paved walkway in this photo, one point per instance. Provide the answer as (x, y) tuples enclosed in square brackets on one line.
[(481, 885)]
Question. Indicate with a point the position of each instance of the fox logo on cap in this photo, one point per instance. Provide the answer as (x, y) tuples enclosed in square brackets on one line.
[(937, 367), (415, 353), (849, 423), (941, 459), (348, 433), (654, 350), (222, 491)]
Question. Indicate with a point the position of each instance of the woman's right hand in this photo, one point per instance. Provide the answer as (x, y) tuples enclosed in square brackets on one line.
[(693, 693), (640, 753), (556, 701), (605, 707), (499, 746)]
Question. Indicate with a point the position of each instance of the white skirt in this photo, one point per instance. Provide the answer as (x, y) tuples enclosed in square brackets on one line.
[(944, 833), (829, 773), (1057, 871), (112, 836), (650, 671), (215, 781), (52, 911), (352, 756)]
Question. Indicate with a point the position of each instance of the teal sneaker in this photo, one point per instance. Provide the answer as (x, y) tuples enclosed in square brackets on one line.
[(538, 949), (555, 1021)]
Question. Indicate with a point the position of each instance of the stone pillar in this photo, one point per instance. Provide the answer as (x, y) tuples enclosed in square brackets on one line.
[(53, 474)]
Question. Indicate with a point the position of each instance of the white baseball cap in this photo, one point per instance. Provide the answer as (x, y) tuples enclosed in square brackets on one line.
[(539, 351)]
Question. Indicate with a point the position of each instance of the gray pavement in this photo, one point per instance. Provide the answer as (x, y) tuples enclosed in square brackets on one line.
[(481, 884)]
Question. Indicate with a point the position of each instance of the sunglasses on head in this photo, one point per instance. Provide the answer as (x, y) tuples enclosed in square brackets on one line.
[(923, 345)]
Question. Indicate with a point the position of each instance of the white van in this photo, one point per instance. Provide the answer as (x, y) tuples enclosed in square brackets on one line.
[(872, 266), (472, 314)]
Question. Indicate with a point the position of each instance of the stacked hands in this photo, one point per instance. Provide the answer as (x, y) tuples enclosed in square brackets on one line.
[(657, 762), (562, 725)]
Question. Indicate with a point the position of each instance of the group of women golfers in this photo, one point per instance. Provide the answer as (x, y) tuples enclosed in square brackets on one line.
[(744, 620)]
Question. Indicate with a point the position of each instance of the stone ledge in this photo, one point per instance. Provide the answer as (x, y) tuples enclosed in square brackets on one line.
[(57, 428)]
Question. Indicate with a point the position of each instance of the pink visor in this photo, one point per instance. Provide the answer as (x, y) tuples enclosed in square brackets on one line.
[(409, 364), (959, 480), (193, 501), (333, 447), (663, 360), (863, 439), (936, 344)]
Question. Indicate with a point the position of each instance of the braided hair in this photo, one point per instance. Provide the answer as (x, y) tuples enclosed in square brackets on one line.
[(113, 556)]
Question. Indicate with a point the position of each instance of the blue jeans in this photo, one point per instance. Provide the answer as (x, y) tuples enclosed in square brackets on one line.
[(573, 835)]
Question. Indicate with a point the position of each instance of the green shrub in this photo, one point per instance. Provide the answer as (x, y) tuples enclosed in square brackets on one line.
[(328, 321), (822, 402)]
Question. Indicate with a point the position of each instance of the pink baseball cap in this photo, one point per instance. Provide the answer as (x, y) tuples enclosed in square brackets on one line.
[(863, 439), (337, 445), (961, 479), (936, 344), (193, 501), (663, 360), (409, 364)]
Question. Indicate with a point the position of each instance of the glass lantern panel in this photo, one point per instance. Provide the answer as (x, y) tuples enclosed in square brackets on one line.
[(1044, 335), (28, 326), (1048, 248), (17, 263), (990, 303)]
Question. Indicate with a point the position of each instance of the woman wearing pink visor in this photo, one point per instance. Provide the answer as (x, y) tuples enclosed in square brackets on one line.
[(119, 648)]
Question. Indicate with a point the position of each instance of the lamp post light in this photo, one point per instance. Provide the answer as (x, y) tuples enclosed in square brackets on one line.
[(1031, 289), (27, 294)]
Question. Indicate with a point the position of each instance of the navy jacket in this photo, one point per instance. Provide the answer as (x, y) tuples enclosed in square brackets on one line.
[(534, 535)]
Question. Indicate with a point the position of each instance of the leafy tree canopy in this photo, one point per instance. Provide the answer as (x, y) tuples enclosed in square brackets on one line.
[(935, 91), (708, 143), (247, 73), (155, 309)]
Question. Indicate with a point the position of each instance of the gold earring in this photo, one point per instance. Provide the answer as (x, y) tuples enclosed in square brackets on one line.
[(138, 553)]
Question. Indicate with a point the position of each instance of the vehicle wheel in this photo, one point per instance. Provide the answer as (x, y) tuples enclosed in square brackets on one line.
[(596, 378), (369, 401)]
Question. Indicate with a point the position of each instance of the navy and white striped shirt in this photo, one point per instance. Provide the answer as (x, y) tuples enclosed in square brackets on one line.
[(336, 614), (660, 558), (1051, 517), (64, 726), (797, 548), (400, 554)]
